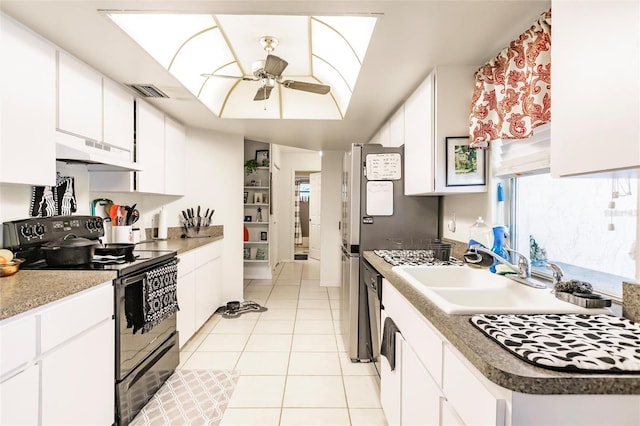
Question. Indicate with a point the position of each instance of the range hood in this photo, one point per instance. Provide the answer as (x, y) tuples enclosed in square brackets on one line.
[(97, 157)]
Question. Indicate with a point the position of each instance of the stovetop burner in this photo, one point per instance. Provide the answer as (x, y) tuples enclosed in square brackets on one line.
[(142, 258), (415, 258)]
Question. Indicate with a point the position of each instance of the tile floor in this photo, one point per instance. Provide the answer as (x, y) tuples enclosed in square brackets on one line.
[(293, 366)]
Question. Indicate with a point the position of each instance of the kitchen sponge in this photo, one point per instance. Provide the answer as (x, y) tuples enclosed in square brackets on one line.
[(574, 286)]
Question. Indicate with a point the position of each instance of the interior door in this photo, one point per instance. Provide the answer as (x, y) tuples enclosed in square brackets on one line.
[(314, 216)]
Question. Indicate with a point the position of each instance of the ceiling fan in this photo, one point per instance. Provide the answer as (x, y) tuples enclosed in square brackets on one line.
[(269, 72)]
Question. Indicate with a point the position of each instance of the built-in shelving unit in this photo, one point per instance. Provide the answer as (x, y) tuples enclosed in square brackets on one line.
[(257, 211)]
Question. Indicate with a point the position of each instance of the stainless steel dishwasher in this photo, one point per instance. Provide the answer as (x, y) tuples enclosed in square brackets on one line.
[(373, 282)]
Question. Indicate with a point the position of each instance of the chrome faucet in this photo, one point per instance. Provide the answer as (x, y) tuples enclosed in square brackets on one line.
[(522, 269), (556, 272)]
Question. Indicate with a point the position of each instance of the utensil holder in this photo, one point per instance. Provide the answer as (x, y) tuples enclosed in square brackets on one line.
[(122, 234)]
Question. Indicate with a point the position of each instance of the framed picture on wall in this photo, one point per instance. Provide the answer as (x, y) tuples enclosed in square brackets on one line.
[(261, 253), (247, 218), (263, 236), (466, 166), (262, 157)]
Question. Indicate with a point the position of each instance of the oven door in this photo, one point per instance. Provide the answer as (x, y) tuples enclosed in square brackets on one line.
[(133, 348)]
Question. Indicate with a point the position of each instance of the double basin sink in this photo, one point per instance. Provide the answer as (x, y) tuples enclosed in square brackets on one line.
[(464, 290)]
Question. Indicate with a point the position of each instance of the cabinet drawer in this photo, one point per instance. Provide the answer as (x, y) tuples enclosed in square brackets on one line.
[(187, 263), (424, 340), (473, 402), (17, 342), (74, 314), (207, 253)]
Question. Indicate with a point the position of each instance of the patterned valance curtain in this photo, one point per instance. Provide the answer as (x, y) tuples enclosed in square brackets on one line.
[(513, 91)]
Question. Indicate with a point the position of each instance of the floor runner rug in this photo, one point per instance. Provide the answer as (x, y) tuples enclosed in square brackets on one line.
[(190, 397)]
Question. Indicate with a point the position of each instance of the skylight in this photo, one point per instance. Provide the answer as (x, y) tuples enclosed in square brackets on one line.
[(319, 50)]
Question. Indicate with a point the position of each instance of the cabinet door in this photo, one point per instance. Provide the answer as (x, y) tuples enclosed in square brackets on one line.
[(391, 382), (117, 116), (28, 93), (150, 148), (78, 379), (396, 128), (418, 140), (186, 293), (384, 134), (19, 398), (175, 146), (79, 98), (595, 115), (420, 395), (206, 292)]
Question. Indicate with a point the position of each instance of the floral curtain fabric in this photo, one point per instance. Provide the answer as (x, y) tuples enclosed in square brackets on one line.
[(512, 95)]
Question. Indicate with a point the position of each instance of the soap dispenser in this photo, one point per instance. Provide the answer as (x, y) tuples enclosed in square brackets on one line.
[(480, 233), (499, 240)]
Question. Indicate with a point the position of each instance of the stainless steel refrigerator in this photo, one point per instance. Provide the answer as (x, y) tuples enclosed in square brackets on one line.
[(375, 215)]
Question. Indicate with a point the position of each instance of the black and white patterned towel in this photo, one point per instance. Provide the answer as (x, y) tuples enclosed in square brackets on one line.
[(159, 298), (568, 342)]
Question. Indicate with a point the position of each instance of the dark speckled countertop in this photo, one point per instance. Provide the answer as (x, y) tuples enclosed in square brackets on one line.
[(495, 362), (27, 290)]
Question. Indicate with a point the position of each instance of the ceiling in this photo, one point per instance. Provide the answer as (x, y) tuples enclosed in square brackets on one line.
[(409, 39)]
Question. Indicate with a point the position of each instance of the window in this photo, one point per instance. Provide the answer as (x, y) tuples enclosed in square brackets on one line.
[(586, 225)]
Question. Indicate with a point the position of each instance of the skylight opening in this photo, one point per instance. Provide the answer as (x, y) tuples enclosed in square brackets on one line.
[(322, 50)]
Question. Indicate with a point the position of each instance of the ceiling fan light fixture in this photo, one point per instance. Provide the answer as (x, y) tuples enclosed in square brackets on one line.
[(269, 43)]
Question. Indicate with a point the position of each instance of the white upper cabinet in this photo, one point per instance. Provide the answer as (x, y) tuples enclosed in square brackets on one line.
[(418, 148), (384, 135), (439, 108), (174, 146), (79, 98), (117, 116), (160, 154), (396, 128), (150, 148), (596, 82), (28, 93)]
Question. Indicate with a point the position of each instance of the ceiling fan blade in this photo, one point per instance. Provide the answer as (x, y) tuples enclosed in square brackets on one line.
[(274, 65), (228, 76), (320, 89), (262, 93)]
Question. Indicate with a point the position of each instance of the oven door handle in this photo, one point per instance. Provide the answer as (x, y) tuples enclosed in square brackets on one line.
[(129, 280)]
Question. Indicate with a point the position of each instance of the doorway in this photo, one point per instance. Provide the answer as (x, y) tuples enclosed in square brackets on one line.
[(306, 220)]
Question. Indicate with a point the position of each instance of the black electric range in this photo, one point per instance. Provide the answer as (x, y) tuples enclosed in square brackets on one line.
[(25, 237)]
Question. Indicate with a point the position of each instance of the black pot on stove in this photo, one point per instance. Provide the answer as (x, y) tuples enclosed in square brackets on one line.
[(70, 250)]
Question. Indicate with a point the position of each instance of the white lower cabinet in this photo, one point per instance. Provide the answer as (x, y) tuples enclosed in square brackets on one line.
[(78, 379), (186, 293), (199, 288), (421, 396), (391, 382), (19, 398), (439, 386), (61, 368)]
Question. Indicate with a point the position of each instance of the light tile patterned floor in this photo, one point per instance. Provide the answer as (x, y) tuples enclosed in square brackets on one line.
[(293, 366)]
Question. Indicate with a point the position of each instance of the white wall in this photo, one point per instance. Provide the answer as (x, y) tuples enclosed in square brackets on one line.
[(289, 163), (330, 216)]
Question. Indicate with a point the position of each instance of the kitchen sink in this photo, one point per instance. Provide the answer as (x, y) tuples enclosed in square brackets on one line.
[(462, 290)]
